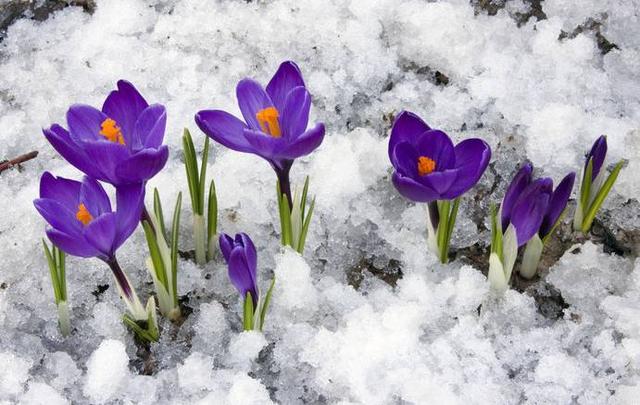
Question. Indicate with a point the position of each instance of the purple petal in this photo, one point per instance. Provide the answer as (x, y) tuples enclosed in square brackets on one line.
[(64, 191), (305, 143), (406, 128), (250, 252), (101, 234), (529, 209), (241, 275), (405, 160), (437, 146), (295, 114), (107, 157), (150, 127), (440, 182), (251, 99), (413, 190), (130, 202), (61, 141), (527, 216), (557, 204), (60, 217), (286, 78), (125, 106), (94, 198), (598, 153), (226, 245), (224, 128), (85, 123), (472, 159), (142, 166), (73, 245), (520, 181), (264, 145)]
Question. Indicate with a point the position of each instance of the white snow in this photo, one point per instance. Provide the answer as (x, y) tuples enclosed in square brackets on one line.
[(338, 331)]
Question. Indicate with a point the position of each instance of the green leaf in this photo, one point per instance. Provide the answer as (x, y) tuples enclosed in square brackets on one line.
[(157, 209), (305, 227), (53, 270), (203, 174), (248, 312), (450, 225), (496, 233), (600, 197), (191, 167), (154, 252), (305, 190), (175, 230), (265, 304), (444, 207), (212, 212), (554, 227), (62, 277), (285, 218), (585, 187)]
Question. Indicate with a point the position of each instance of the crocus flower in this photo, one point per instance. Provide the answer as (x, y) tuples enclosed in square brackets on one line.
[(595, 186), (82, 223), (428, 166), (597, 154), (81, 220), (275, 122), (532, 206), (120, 144), (242, 260)]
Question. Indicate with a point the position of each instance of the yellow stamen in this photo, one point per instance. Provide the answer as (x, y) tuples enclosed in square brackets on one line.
[(268, 119), (83, 215), (425, 165), (110, 130)]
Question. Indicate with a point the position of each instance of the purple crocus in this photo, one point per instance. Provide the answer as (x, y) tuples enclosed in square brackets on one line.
[(120, 144), (532, 206), (82, 222), (275, 122), (242, 260), (428, 167), (597, 154), (80, 215)]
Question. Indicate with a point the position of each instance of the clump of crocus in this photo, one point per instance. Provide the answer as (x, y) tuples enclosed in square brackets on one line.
[(594, 188), (429, 168), (82, 223), (275, 128), (529, 213), (120, 144), (57, 269), (242, 260)]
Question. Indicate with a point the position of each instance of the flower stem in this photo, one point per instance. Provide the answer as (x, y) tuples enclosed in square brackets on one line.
[(283, 180), (63, 318), (127, 292)]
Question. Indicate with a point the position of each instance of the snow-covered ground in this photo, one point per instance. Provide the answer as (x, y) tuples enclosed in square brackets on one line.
[(367, 316)]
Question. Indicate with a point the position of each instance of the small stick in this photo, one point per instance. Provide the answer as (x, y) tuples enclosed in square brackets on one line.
[(8, 164)]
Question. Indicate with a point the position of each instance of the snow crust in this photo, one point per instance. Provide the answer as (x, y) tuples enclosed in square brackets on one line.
[(538, 90)]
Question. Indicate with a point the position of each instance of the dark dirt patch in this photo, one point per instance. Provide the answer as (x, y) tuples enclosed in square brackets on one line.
[(12, 10)]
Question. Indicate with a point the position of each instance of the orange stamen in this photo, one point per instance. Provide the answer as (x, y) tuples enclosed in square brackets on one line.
[(268, 119), (110, 130), (425, 165), (83, 215)]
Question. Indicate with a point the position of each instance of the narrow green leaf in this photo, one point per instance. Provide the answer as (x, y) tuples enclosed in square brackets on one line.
[(191, 167), (62, 276), (280, 208), (450, 225), (443, 210), (157, 209), (154, 252), (305, 227), (303, 202), (553, 228), (600, 197), (585, 187), (286, 214), (54, 272), (203, 174), (175, 230), (265, 304), (248, 312), (212, 212)]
